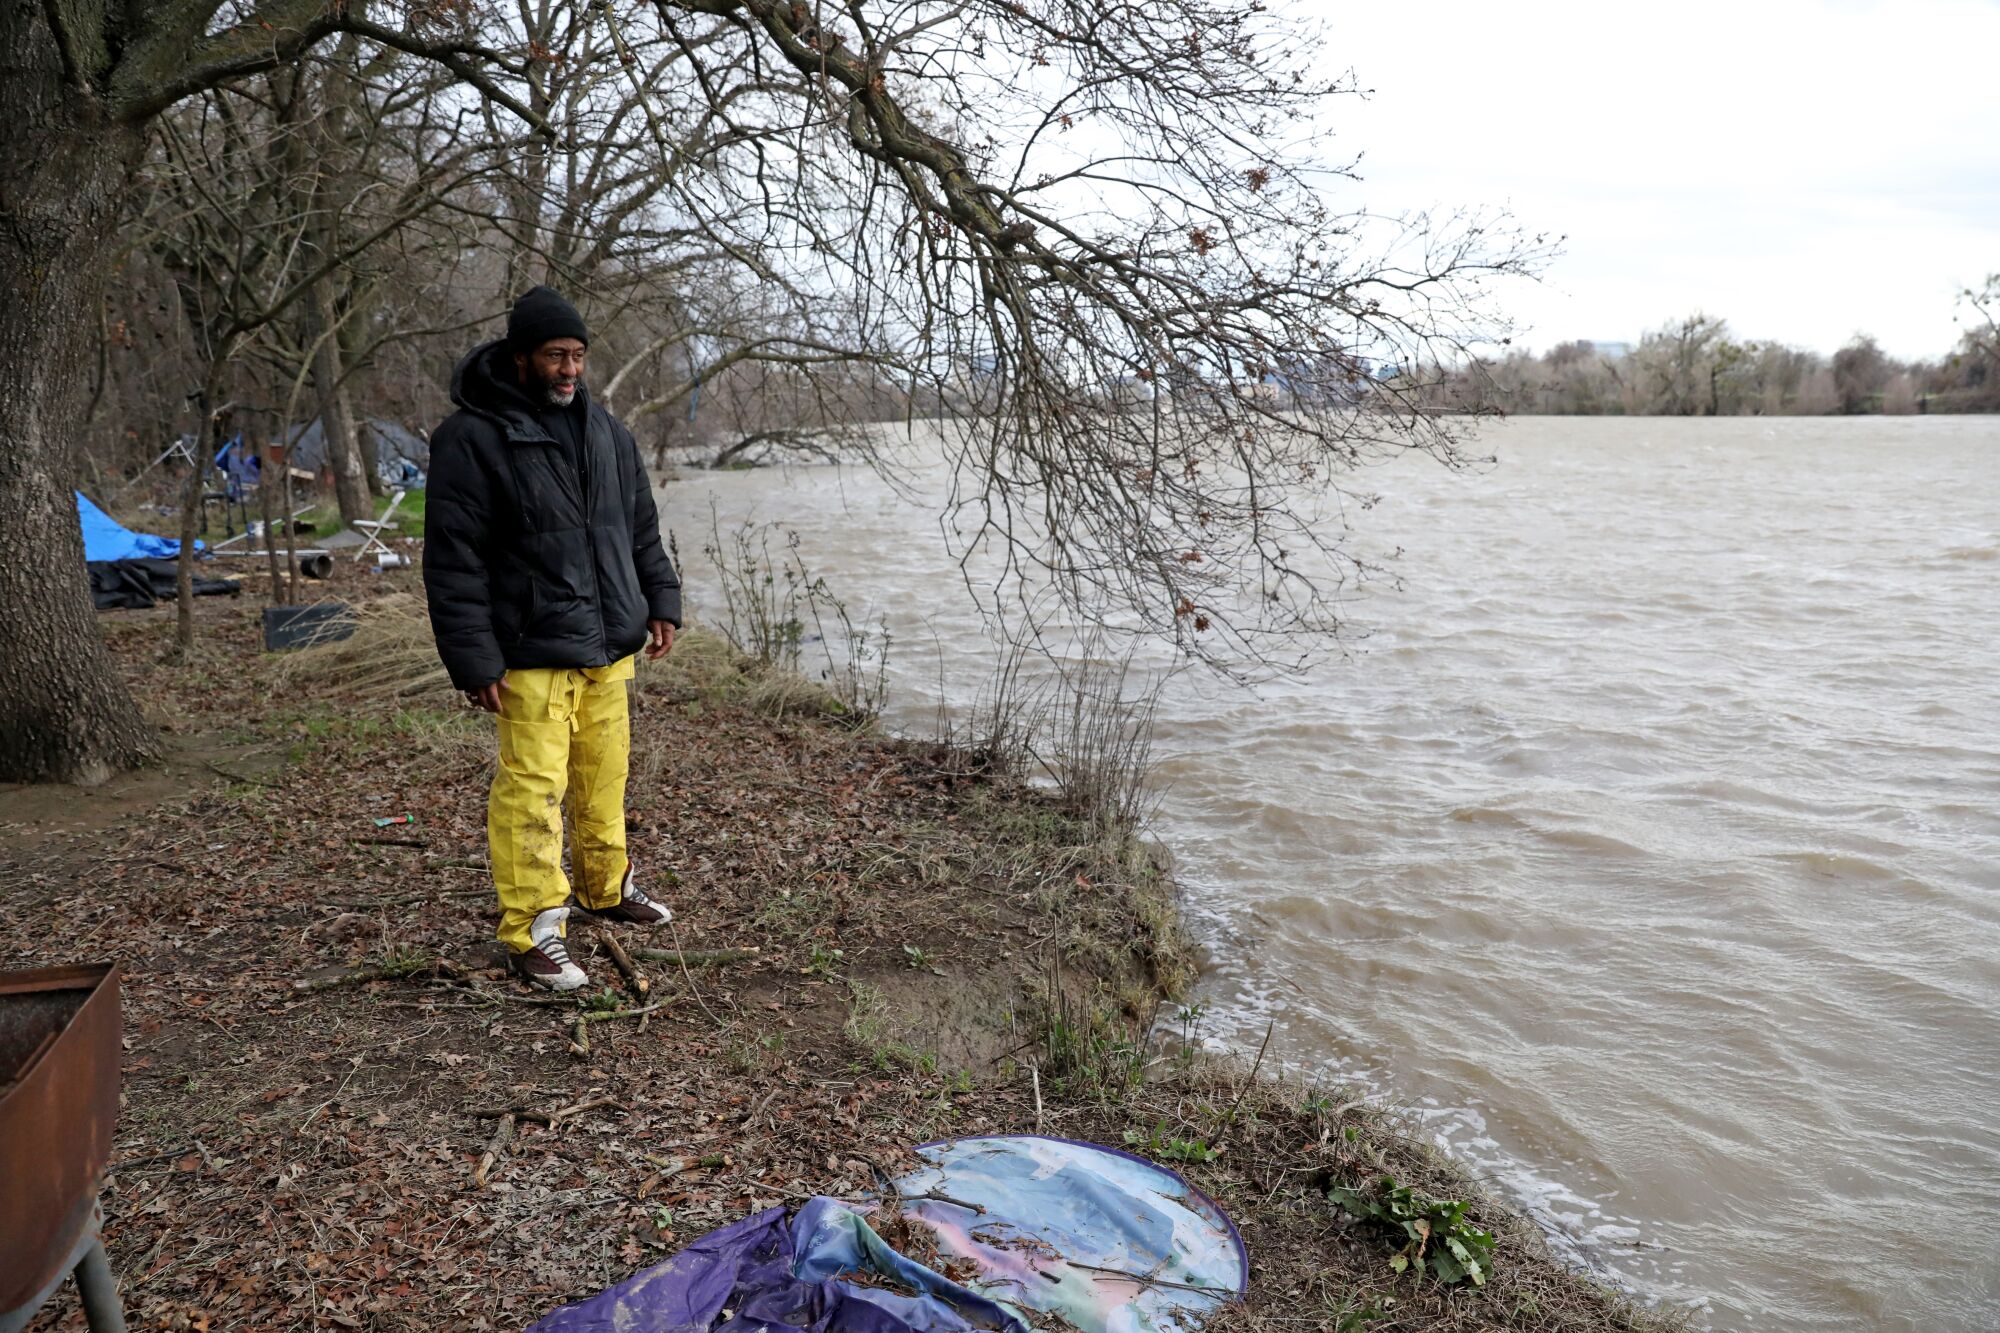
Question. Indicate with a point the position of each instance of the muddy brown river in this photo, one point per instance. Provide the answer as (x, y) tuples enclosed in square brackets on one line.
[(1644, 837)]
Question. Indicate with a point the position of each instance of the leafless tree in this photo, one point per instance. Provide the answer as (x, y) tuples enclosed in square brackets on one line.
[(279, 206), (1040, 207)]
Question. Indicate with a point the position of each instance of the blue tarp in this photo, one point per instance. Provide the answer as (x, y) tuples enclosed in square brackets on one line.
[(104, 538), (1029, 1227)]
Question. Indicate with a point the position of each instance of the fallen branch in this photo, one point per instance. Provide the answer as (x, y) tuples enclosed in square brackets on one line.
[(418, 843), (579, 1040), (623, 961), (660, 1003), (493, 1151), (671, 1167)]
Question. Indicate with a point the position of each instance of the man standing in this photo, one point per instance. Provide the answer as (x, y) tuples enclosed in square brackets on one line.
[(545, 572)]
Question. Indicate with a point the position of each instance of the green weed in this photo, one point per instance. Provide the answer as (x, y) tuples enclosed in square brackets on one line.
[(823, 960), (400, 960), (1163, 1147), (1434, 1234), (605, 1001)]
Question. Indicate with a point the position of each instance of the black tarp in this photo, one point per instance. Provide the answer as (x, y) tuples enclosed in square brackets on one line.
[(134, 584)]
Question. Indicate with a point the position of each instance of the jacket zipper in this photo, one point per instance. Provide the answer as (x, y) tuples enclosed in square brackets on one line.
[(589, 475)]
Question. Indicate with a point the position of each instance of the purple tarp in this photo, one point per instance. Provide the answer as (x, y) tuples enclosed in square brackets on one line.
[(774, 1271), (1100, 1239)]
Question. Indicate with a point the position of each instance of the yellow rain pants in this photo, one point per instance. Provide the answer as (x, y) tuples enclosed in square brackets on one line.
[(561, 731)]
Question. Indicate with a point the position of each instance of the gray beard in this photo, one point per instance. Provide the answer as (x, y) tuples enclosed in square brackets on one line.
[(554, 397)]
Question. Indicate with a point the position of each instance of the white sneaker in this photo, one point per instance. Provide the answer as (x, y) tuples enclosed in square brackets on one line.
[(547, 963)]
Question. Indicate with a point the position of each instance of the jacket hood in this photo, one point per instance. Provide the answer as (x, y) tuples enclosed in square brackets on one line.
[(484, 384)]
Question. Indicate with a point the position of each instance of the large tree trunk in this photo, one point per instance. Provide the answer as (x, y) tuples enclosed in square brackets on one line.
[(336, 420), (65, 712)]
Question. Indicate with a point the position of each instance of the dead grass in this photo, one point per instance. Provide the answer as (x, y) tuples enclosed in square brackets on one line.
[(390, 655)]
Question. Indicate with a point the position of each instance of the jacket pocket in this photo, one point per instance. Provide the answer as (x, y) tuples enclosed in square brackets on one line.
[(516, 606)]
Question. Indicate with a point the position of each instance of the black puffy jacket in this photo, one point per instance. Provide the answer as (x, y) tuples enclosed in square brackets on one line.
[(529, 560)]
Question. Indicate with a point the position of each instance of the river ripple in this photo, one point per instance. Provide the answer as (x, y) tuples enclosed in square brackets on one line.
[(1645, 838)]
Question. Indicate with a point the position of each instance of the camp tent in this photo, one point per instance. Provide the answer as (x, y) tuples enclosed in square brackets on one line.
[(395, 446)]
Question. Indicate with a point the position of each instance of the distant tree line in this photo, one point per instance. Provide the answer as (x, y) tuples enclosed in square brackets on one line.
[(1695, 366)]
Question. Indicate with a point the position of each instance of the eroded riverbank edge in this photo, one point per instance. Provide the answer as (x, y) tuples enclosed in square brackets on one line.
[(339, 1113)]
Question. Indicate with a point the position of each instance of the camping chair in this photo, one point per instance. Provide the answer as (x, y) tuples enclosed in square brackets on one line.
[(371, 528)]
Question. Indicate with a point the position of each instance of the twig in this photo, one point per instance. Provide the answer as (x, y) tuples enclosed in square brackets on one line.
[(1035, 1075), (946, 1198), (406, 899), (374, 972), (432, 1006), (779, 1190), (493, 1150), (1154, 1281), (132, 1162), (750, 1121), (697, 957), (538, 1001), (1015, 1050), (579, 1041), (307, 985), (1254, 1066), (418, 843), (693, 989)]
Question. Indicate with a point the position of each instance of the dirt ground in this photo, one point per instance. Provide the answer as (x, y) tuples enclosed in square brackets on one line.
[(339, 1112)]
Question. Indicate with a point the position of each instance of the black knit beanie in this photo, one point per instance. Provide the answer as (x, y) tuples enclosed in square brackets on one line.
[(542, 315)]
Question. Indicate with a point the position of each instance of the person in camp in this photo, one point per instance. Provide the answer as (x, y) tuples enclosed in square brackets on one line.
[(546, 578)]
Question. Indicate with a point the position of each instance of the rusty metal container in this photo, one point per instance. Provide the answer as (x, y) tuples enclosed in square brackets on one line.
[(59, 1057)]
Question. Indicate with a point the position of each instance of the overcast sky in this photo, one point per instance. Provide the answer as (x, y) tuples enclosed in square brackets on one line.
[(1805, 168)]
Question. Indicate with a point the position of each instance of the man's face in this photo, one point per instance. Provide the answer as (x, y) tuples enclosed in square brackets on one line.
[(552, 371)]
